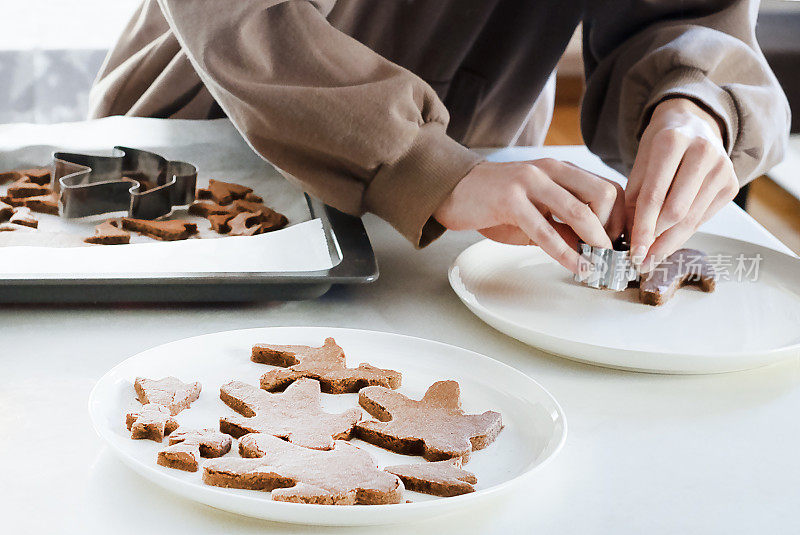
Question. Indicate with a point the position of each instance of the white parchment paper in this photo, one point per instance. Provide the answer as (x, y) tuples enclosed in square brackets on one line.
[(218, 151)]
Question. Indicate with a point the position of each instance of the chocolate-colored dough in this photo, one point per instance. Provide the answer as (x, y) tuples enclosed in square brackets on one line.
[(10, 176), (440, 478), (152, 422), (252, 197), (45, 204), (187, 447), (107, 234), (170, 230), (326, 364), (170, 392), (223, 192), (22, 188), (270, 219), (344, 475), (209, 208), (6, 211), (681, 268), (295, 415), (434, 427), (219, 222), (37, 175), (23, 216)]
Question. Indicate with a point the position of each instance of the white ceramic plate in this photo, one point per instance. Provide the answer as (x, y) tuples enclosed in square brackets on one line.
[(534, 431), (744, 324)]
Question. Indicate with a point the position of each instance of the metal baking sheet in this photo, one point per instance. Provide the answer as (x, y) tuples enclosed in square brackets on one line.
[(219, 152), (351, 255)]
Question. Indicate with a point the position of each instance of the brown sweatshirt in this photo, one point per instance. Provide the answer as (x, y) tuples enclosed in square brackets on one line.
[(372, 104)]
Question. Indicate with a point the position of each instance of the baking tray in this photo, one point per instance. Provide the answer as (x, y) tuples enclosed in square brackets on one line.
[(348, 243)]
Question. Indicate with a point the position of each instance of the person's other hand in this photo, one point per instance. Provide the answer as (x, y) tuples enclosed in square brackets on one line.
[(680, 178), (518, 203)]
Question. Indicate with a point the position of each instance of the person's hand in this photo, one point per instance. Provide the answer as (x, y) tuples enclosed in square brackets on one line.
[(518, 203), (680, 178)]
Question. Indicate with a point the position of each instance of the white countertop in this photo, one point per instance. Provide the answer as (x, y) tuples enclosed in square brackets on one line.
[(645, 453)]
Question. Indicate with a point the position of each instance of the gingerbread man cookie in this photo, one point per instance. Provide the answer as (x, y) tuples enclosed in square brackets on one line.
[(440, 478), (152, 421), (295, 414), (326, 364), (434, 427), (344, 475), (170, 392), (187, 447), (684, 266)]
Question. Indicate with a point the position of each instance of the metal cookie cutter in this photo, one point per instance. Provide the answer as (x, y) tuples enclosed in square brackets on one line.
[(142, 183), (609, 269)]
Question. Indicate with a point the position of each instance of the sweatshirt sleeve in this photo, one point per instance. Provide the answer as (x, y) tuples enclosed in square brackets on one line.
[(360, 132), (705, 51)]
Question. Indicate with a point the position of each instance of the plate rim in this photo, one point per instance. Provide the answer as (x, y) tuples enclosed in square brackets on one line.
[(707, 356), (284, 509)]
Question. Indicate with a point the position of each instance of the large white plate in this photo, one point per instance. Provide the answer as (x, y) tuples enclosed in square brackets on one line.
[(534, 431), (744, 324)]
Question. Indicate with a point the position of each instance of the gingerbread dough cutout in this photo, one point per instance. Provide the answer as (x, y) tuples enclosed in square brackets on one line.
[(326, 364), (440, 478), (681, 268), (434, 427), (295, 415), (170, 392), (107, 234), (45, 204), (23, 216), (223, 192), (170, 230), (187, 447), (344, 475), (152, 422)]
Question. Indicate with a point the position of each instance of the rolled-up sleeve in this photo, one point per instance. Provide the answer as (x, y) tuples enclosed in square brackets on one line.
[(357, 130)]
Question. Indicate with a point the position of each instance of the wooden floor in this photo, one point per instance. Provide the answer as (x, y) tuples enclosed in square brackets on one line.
[(767, 202)]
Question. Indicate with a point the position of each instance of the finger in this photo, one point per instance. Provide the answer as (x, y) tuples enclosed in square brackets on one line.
[(570, 210), (544, 235), (673, 238), (599, 193), (635, 180), (697, 162), (667, 148), (725, 196)]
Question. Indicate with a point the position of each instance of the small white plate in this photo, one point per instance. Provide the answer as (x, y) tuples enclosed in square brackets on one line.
[(744, 324), (534, 430)]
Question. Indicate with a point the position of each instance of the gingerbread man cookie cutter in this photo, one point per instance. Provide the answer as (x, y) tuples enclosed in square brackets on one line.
[(143, 183), (607, 269)]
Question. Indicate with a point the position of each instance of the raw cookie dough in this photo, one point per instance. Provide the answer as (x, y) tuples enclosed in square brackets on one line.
[(152, 421), (434, 427), (344, 475), (170, 392), (107, 234), (187, 447), (295, 415), (683, 267), (440, 478), (326, 364)]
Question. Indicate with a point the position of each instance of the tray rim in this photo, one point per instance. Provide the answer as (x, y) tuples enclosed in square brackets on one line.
[(348, 243)]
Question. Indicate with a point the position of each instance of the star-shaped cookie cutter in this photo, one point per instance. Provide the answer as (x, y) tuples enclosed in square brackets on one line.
[(607, 269), (143, 183)]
